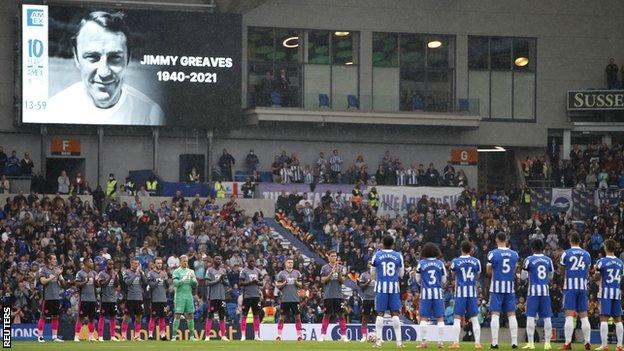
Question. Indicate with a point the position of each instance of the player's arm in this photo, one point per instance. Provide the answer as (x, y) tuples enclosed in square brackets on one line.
[(242, 279), (488, 272), (597, 267), (210, 279), (79, 282), (417, 276), (45, 280), (280, 282), (325, 278), (401, 267), (177, 280), (444, 274), (151, 280), (524, 274), (341, 276), (363, 283), (562, 265), (103, 279)]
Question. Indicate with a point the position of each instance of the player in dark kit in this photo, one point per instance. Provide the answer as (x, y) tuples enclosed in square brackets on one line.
[(135, 281), (85, 282), (50, 276), (332, 278), (108, 281), (289, 281), (158, 284), (367, 284), (251, 282), (217, 282)]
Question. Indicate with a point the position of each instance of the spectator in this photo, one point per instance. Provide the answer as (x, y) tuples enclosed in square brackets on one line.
[(612, 74), (12, 164), (276, 167), (3, 159), (63, 183), (335, 163), (226, 162), (27, 165), (285, 174), (252, 162), (283, 87), (432, 175), (5, 185), (193, 176), (78, 186), (322, 168), (266, 88), (248, 189)]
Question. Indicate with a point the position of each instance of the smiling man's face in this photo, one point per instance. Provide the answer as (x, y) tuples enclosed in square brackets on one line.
[(102, 57)]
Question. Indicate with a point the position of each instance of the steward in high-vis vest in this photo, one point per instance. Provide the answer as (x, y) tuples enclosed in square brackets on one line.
[(373, 199), (218, 187), (151, 185), (111, 186)]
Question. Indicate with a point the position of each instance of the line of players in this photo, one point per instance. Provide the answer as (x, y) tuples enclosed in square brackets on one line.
[(136, 285), (539, 270), (380, 292)]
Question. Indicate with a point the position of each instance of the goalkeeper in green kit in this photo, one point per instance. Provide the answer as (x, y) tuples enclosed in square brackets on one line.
[(184, 281)]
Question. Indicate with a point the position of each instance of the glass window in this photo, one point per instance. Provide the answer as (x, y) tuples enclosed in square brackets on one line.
[(318, 47), (287, 46), (438, 51), (413, 49), (500, 52), (385, 49), (478, 52), (524, 54), (505, 88), (261, 44), (342, 48)]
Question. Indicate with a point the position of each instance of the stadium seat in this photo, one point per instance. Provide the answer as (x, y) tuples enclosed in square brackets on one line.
[(353, 102), (276, 99), (323, 101), (417, 103), (464, 105)]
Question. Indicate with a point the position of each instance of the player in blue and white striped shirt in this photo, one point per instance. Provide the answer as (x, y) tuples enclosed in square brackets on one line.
[(466, 270), (539, 270), (609, 270), (387, 268), (431, 275), (575, 262), (501, 266)]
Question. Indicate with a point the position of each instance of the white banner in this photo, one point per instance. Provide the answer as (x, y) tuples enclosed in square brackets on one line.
[(395, 200), (561, 200), (312, 332), (35, 62)]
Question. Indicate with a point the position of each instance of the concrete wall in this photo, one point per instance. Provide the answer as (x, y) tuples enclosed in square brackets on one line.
[(574, 41)]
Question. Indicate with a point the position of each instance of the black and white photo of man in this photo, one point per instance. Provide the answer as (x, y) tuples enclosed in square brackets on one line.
[(102, 54)]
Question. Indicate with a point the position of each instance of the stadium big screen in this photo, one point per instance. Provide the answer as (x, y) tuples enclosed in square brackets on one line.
[(144, 67)]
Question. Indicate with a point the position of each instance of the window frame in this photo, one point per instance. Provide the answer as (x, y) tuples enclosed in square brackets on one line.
[(513, 71)]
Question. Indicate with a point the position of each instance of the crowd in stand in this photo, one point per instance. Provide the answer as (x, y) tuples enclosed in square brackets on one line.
[(589, 166), (333, 169)]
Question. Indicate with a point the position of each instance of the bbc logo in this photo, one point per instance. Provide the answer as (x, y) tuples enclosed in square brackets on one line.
[(34, 18), (6, 327)]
